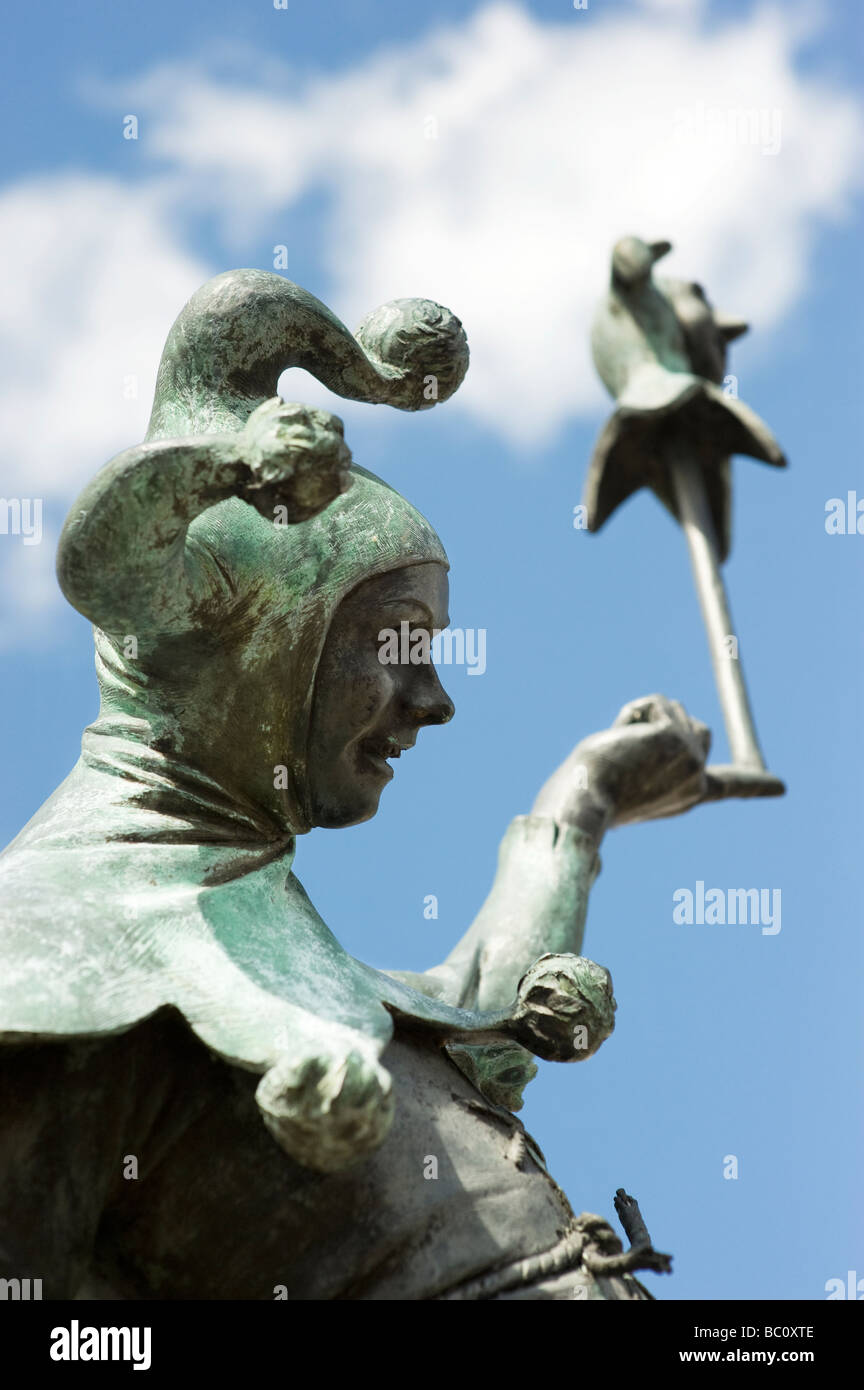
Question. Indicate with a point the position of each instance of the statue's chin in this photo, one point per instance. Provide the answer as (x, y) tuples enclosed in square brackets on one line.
[(351, 793), (340, 815)]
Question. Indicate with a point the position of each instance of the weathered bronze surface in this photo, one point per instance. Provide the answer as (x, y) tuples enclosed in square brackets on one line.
[(167, 983)]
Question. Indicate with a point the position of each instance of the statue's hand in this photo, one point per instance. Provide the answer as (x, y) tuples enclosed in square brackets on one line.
[(501, 1071), (328, 1110), (650, 763), (565, 1008), (297, 458)]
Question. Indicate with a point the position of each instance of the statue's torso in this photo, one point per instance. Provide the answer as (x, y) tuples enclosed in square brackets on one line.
[(218, 1211)]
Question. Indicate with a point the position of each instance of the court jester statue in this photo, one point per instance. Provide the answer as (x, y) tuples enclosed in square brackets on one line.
[(169, 994)]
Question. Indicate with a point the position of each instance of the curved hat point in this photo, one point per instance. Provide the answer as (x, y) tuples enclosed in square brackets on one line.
[(241, 330)]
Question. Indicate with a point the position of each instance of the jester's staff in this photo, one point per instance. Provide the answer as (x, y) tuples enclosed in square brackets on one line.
[(660, 349)]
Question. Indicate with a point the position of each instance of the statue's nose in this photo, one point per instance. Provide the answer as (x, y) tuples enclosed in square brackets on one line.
[(441, 712), (444, 712), (431, 704)]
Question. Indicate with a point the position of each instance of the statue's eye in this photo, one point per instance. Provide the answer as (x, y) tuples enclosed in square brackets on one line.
[(698, 291)]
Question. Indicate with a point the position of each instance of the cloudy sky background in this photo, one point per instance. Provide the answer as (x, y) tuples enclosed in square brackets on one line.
[(487, 156)]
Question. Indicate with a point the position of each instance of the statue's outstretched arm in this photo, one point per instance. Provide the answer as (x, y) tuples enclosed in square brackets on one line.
[(651, 763), (123, 559), (538, 903)]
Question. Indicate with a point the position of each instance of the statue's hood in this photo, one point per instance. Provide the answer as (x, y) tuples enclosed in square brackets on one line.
[(140, 885), (235, 696)]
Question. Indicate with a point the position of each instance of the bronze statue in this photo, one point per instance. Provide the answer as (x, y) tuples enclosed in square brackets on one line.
[(168, 985)]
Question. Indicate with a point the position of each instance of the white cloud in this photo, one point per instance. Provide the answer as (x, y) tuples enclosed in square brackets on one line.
[(91, 278), (489, 164)]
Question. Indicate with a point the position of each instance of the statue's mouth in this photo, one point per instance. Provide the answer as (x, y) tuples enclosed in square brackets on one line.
[(375, 752)]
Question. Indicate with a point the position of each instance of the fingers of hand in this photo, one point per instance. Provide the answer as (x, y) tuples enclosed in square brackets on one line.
[(723, 782), (297, 457), (327, 1111), (643, 711), (320, 1086), (681, 798), (655, 710)]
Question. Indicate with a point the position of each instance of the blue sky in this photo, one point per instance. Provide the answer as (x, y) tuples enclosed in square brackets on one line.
[(487, 156)]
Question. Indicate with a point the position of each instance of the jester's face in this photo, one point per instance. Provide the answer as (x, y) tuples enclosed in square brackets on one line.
[(368, 709)]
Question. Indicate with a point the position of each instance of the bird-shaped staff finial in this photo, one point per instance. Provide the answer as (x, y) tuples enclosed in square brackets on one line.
[(660, 349)]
